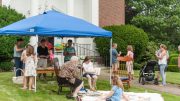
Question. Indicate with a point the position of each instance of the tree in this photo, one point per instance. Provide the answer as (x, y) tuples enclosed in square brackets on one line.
[(8, 16), (124, 35), (159, 18)]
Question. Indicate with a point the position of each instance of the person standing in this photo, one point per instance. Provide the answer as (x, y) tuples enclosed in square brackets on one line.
[(30, 67), (179, 57), (115, 63), (129, 64), (17, 56), (162, 61), (69, 51), (43, 55)]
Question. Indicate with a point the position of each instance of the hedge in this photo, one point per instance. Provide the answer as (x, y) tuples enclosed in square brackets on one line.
[(6, 66), (123, 35), (173, 68)]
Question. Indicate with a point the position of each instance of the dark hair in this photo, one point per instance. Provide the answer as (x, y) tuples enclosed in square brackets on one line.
[(43, 40), (20, 39), (87, 58), (70, 41)]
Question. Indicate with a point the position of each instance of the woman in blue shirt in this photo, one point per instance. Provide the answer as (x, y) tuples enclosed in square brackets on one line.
[(117, 91)]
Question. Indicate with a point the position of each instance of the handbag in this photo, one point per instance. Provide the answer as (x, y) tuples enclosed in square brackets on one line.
[(19, 79)]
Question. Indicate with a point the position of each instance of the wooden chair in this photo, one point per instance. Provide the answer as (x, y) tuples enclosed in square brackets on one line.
[(61, 83), (122, 71)]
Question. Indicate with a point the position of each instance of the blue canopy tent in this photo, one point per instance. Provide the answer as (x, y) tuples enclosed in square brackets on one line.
[(53, 23)]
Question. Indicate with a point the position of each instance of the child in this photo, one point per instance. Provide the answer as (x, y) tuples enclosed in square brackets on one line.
[(89, 73), (116, 93), (51, 55), (30, 68), (129, 64)]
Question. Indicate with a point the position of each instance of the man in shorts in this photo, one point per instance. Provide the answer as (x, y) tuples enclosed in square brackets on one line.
[(115, 63)]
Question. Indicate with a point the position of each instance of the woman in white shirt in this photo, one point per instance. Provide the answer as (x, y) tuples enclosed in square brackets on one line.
[(89, 73), (162, 61)]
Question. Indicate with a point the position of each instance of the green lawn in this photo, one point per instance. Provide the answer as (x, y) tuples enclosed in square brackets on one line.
[(171, 77), (12, 92)]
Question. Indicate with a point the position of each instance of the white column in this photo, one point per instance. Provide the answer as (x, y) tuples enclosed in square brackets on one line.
[(95, 12), (70, 7), (34, 7), (34, 11)]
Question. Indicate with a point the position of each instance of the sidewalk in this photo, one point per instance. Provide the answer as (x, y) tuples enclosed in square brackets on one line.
[(169, 88)]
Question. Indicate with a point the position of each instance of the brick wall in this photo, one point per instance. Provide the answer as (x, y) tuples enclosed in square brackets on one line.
[(111, 12), (0, 2)]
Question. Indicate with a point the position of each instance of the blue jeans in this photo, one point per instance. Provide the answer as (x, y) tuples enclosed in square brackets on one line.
[(19, 65), (163, 74)]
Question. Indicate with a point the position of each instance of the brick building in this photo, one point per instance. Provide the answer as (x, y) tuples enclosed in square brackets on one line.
[(111, 12)]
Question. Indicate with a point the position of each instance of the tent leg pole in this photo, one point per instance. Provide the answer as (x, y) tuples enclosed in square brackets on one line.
[(35, 85), (110, 60)]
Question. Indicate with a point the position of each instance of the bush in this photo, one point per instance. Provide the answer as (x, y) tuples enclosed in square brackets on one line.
[(137, 66), (173, 68), (6, 66), (173, 61), (123, 35), (8, 16), (149, 54)]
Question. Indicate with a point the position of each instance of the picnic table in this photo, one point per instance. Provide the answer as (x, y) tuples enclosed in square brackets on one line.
[(45, 70), (131, 96)]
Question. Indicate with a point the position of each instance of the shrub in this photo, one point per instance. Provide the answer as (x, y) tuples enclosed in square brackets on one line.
[(149, 54), (137, 66), (123, 35), (6, 66), (173, 68), (173, 61)]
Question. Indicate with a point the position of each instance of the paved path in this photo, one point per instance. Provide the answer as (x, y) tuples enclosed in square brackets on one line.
[(169, 88)]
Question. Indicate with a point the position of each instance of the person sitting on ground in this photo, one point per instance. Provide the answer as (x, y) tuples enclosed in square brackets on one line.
[(89, 72), (69, 51), (43, 55), (116, 93), (69, 73)]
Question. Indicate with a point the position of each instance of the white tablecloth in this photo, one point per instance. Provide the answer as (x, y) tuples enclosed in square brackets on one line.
[(131, 96)]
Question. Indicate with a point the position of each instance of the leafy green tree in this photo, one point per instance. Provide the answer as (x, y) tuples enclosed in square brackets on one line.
[(8, 16), (159, 18), (124, 35)]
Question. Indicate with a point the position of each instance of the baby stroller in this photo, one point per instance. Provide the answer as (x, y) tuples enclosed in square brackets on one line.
[(147, 72)]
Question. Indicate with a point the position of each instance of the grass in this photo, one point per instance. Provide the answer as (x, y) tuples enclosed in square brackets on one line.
[(12, 92), (171, 77)]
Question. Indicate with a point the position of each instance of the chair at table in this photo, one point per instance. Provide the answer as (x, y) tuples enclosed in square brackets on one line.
[(122, 70), (61, 83)]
